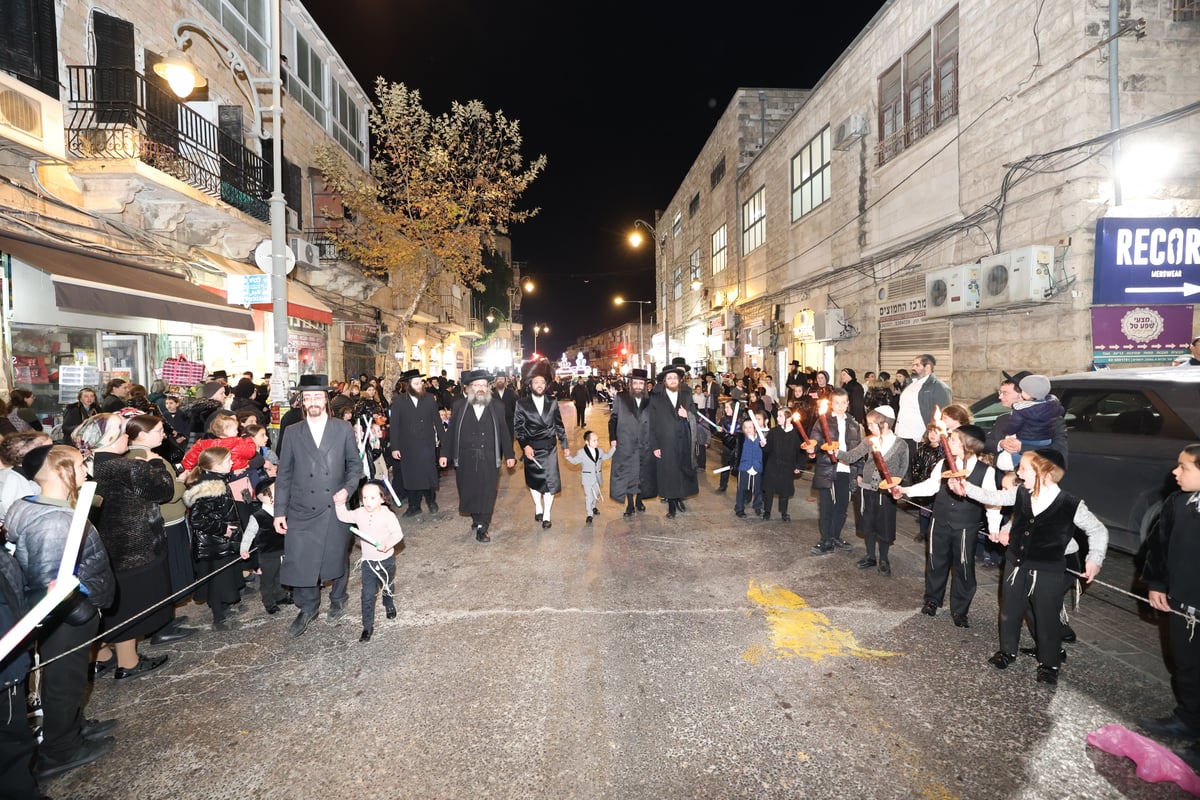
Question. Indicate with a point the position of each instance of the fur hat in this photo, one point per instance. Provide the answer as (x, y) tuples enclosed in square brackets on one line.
[(538, 369), (1036, 386), (245, 388)]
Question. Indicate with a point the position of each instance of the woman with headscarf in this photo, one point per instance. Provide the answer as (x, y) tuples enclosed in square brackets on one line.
[(131, 527)]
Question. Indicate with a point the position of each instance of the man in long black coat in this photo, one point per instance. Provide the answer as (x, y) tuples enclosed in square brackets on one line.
[(539, 429), (672, 422), (504, 393), (413, 441), (582, 398), (475, 443), (633, 465), (318, 467)]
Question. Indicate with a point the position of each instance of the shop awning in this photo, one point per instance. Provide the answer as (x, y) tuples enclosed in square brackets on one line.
[(302, 303), (87, 282)]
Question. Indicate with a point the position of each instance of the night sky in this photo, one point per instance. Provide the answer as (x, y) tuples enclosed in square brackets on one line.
[(620, 98)]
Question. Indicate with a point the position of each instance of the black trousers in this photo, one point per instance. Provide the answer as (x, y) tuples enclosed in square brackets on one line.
[(1186, 680), (1035, 589), (834, 505), (951, 551), (16, 746), (64, 684), (308, 598), (878, 521), (268, 583)]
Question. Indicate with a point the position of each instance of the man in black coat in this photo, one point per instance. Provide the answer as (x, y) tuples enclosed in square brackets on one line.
[(582, 398), (539, 430), (413, 441), (508, 398), (632, 478), (475, 443), (672, 422)]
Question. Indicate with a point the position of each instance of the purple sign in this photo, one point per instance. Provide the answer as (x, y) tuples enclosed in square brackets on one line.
[(1140, 334)]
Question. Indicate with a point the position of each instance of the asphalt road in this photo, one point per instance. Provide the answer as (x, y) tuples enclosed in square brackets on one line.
[(700, 657)]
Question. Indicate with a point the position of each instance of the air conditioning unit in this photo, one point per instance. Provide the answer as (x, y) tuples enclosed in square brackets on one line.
[(848, 131), (831, 325), (292, 218), (1017, 277), (731, 349), (306, 252), (731, 319), (953, 290), (31, 119)]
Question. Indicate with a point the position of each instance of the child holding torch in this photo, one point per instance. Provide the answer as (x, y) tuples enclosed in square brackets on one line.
[(378, 532), (835, 431), (880, 482)]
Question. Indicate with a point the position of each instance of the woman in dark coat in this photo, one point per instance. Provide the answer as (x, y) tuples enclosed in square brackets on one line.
[(781, 464), (854, 390), (131, 527), (85, 407)]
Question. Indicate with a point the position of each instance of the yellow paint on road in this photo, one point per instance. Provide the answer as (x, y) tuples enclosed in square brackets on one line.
[(799, 631)]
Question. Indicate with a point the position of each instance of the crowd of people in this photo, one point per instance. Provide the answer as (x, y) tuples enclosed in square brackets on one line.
[(195, 504)]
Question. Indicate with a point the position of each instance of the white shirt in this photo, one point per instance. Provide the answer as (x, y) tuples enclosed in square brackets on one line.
[(317, 427), (909, 423), (839, 433), (539, 403), (672, 396)]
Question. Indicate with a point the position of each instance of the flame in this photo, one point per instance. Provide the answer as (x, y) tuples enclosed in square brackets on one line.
[(823, 406), (937, 420)]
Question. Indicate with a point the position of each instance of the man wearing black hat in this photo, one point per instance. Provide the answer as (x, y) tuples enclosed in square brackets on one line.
[(475, 442), (504, 393), (796, 376), (672, 421), (318, 467), (633, 465), (538, 427), (413, 438)]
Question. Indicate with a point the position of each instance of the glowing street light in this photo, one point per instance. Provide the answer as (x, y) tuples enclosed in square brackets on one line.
[(538, 328)]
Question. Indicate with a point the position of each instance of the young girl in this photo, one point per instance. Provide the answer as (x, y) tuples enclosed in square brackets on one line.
[(378, 532), (260, 533), (1171, 576), (1045, 519), (956, 524), (926, 457), (590, 459), (214, 521), (876, 504), (781, 464)]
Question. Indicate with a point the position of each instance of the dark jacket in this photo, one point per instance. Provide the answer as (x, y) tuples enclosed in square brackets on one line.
[(1174, 552), (855, 391), (75, 415), (213, 518), (14, 666), (632, 469), (129, 519), (824, 469), (783, 457)]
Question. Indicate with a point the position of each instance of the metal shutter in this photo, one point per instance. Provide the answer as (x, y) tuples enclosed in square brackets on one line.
[(898, 347)]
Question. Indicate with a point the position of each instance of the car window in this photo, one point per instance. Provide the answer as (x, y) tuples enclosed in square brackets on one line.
[(1123, 411), (985, 411)]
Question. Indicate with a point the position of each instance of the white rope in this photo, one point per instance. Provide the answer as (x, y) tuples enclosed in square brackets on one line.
[(1190, 617)]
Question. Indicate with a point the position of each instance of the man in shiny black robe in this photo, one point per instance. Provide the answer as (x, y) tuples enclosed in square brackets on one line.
[(539, 430), (475, 443)]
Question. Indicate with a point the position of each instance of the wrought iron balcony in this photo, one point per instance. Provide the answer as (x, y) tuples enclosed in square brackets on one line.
[(117, 114)]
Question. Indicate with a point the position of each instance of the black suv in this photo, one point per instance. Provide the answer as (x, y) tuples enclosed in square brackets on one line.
[(1125, 430)]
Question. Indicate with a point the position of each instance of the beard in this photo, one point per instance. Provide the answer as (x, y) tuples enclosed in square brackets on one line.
[(481, 398), (536, 393), (417, 391), (314, 410)]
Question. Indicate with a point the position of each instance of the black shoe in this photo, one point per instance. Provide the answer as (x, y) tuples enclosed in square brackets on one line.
[(546, 524), (222, 625), (1190, 756), (1047, 675), (537, 517), (885, 569), (640, 506), (271, 609), (481, 534), (97, 668), (766, 515), (365, 636), (680, 505), (391, 612), (300, 624), (721, 490), (145, 664), (628, 512), (1068, 634), (961, 620), (1001, 660), (171, 634), (822, 549), (785, 518), (97, 728), (287, 600), (929, 609), (842, 544), (588, 521), (867, 563), (335, 614), (88, 752), (595, 512), (433, 508), (738, 514), (920, 537), (1171, 726), (1032, 651), (412, 511)]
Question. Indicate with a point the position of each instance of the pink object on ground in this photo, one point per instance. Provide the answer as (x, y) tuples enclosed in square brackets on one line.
[(1155, 763)]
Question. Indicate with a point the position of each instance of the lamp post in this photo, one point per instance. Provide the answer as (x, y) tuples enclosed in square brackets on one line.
[(618, 300), (636, 239), (179, 72), (538, 328)]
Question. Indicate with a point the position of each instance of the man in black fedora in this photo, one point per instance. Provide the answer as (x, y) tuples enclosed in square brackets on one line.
[(796, 376), (476, 441), (318, 467), (633, 466), (672, 422), (538, 427), (413, 438)]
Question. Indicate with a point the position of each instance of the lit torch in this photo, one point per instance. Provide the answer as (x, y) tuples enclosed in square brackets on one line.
[(888, 484), (944, 436), (830, 446)]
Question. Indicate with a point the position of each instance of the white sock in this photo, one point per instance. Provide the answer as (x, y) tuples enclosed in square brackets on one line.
[(548, 500), (537, 500)]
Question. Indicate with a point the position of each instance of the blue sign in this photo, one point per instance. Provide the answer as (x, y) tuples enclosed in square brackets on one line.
[(1148, 260), (246, 290)]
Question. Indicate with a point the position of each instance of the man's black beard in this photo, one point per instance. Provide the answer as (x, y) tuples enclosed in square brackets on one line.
[(536, 393), (481, 399), (417, 391)]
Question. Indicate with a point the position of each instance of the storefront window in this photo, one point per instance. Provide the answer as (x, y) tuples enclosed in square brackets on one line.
[(39, 356), (307, 353)]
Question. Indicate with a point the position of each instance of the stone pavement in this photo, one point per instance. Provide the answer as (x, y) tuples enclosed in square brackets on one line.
[(699, 657)]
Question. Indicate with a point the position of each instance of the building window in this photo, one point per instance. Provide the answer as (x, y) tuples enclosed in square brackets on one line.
[(1185, 11), (347, 124), (718, 172), (678, 283), (920, 92), (811, 175), (718, 249), (309, 85), (694, 205), (754, 221), (248, 23), (694, 267), (677, 225)]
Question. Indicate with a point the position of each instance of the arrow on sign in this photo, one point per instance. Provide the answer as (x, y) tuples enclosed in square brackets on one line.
[(1187, 290)]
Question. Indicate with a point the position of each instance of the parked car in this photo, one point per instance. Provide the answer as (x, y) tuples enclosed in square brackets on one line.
[(1125, 429)]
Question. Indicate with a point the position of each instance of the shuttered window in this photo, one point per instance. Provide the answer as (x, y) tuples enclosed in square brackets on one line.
[(115, 81), (898, 347), (29, 43)]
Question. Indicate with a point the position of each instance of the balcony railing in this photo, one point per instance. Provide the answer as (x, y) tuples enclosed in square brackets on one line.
[(117, 114), (890, 146)]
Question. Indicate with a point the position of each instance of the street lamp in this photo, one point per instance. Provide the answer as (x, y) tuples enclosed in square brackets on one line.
[(181, 75), (618, 300), (538, 328), (636, 239), (491, 315)]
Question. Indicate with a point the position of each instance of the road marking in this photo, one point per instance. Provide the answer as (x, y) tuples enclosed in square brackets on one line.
[(799, 631)]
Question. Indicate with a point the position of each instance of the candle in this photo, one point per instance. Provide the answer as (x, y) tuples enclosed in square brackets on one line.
[(880, 464), (822, 409), (944, 436)]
